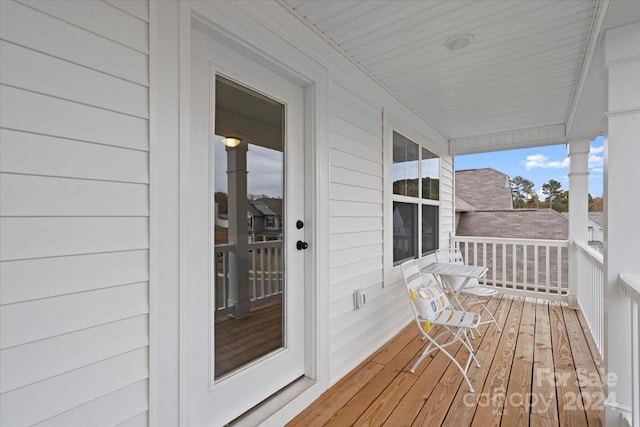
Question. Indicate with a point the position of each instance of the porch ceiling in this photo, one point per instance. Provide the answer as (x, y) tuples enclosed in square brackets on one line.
[(522, 70)]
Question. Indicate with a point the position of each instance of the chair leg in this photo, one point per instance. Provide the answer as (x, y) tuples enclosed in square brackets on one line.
[(469, 347), (493, 319), (462, 371)]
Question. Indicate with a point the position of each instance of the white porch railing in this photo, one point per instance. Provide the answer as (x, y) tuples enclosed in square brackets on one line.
[(590, 290), (530, 267), (630, 287), (265, 273)]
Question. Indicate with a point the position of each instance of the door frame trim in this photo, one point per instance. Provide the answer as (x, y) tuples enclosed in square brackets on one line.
[(269, 45)]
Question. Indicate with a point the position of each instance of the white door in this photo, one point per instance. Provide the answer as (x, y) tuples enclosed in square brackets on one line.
[(243, 253)]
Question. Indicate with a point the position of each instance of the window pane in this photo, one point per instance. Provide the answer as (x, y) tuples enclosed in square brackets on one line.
[(429, 228), (405, 239), (430, 175), (405, 166)]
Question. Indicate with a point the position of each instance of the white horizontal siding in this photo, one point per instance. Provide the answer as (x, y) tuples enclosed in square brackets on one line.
[(351, 193), (140, 420), (356, 209), (46, 277), (32, 112), (355, 163), (50, 317), (71, 351), (71, 197), (74, 207), (33, 154), (25, 68), (25, 238), (339, 225), (137, 8), (24, 26), (356, 233), (351, 255), (51, 397), (114, 24), (111, 409), (446, 200), (343, 287)]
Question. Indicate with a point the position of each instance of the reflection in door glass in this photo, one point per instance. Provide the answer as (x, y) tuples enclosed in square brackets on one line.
[(249, 282)]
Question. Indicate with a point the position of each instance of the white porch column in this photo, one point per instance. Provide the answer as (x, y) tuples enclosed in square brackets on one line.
[(621, 202), (238, 229), (578, 208)]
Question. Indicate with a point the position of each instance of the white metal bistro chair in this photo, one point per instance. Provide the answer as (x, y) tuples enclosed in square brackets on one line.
[(431, 307), (468, 286)]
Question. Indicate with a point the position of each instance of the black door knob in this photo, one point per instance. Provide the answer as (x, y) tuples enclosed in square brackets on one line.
[(301, 245)]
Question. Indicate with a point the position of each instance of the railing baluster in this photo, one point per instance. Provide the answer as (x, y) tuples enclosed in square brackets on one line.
[(493, 271), (535, 268), (547, 268), (253, 276), (262, 291), (559, 264), (504, 265), (269, 269), (525, 266), (514, 273), (484, 260)]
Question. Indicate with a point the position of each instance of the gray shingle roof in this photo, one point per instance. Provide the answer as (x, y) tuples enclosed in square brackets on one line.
[(597, 217), (515, 223), (483, 189)]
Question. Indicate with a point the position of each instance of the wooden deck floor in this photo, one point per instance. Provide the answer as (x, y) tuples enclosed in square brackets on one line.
[(540, 371), (239, 341)]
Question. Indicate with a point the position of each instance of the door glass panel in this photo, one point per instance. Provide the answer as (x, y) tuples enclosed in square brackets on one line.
[(249, 278)]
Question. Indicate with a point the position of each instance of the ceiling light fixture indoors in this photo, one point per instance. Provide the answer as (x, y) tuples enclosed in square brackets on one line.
[(459, 41)]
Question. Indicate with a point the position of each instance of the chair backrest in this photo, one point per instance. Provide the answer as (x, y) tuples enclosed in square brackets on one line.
[(427, 299), (449, 255), (453, 256)]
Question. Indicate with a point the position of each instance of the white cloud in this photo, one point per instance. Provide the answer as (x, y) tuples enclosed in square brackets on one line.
[(596, 150), (595, 162), (535, 161)]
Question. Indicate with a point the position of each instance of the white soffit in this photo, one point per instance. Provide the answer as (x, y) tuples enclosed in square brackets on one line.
[(520, 71)]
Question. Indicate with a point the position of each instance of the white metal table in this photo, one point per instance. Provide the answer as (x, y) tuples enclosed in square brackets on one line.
[(448, 269)]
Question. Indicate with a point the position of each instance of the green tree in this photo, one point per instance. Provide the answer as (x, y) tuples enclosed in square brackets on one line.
[(553, 191), (523, 193), (596, 204)]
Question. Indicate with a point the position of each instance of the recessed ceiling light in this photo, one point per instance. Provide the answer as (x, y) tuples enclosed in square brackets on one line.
[(459, 41)]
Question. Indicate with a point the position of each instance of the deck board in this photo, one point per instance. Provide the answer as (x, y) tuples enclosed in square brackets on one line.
[(534, 361)]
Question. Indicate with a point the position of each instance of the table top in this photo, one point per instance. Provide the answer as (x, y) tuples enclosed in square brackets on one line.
[(450, 269)]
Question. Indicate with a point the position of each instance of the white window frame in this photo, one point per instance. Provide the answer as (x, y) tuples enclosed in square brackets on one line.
[(390, 124)]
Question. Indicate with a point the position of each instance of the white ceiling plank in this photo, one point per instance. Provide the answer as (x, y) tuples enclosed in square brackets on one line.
[(521, 70)]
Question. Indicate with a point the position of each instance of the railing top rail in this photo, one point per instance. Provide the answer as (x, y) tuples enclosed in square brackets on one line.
[(509, 240), (589, 251), (266, 244), (630, 286), (227, 247)]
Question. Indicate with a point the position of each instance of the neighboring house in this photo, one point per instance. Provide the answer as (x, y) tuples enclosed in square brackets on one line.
[(515, 223), (596, 229), (265, 219), (499, 219), (484, 189)]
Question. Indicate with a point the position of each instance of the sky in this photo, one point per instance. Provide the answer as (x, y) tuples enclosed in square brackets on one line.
[(539, 165)]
